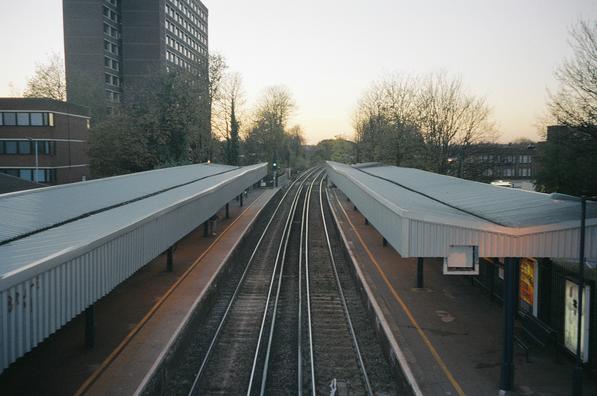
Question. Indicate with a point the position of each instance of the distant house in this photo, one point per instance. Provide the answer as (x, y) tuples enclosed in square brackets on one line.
[(512, 162), (43, 140)]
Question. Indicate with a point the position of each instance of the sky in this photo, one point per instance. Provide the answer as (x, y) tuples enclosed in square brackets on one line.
[(327, 52)]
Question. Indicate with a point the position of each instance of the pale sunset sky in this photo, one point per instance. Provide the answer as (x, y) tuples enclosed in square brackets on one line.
[(328, 51)]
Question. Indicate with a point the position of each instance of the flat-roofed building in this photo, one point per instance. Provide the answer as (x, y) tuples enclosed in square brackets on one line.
[(112, 45), (512, 163), (43, 140)]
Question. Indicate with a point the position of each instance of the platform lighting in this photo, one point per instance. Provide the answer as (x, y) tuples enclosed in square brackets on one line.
[(275, 172)]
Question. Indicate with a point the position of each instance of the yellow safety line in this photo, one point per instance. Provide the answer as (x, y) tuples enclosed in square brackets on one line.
[(95, 375), (397, 297)]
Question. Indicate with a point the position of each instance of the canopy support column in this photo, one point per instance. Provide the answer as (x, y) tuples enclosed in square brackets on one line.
[(511, 268), (420, 272), (169, 259), (90, 327)]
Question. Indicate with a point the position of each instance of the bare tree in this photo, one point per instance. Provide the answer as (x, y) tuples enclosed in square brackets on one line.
[(295, 141), (575, 103), (217, 67), (266, 138), (568, 160), (275, 106), (233, 101), (414, 121), (217, 70), (48, 81), (386, 122), (231, 97), (450, 120)]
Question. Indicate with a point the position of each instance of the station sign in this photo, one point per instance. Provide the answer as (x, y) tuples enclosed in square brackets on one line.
[(462, 260)]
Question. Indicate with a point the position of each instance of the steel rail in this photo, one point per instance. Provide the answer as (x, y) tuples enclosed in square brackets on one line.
[(234, 295), (341, 291), (300, 307), (277, 297), (308, 292), (280, 258)]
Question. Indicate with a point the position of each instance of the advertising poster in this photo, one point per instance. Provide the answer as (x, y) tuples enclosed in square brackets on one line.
[(571, 319), (528, 282)]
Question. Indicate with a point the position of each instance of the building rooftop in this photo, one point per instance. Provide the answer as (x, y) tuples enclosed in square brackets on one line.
[(23, 104), (11, 184)]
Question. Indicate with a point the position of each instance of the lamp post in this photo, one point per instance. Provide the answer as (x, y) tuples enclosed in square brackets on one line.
[(35, 176), (577, 381), (577, 384), (275, 170), (458, 162)]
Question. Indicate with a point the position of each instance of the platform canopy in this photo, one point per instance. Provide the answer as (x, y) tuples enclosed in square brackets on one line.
[(424, 214), (64, 247)]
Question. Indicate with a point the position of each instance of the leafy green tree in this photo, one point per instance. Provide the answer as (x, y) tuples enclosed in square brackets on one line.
[(118, 146), (162, 122), (337, 149), (266, 138), (294, 142), (233, 142)]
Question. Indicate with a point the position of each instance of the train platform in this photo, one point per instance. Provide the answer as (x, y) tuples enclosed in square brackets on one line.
[(126, 371), (449, 331), (136, 320)]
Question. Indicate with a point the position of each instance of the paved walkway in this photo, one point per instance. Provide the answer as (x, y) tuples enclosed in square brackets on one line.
[(450, 331), (61, 364)]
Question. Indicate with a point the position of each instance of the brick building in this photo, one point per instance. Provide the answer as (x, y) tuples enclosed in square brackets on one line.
[(43, 140), (514, 162), (113, 45)]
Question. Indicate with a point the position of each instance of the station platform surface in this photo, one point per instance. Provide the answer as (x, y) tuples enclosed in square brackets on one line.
[(124, 374), (451, 330), (137, 318)]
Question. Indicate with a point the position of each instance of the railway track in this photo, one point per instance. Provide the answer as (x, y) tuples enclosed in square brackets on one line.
[(229, 358), (291, 320)]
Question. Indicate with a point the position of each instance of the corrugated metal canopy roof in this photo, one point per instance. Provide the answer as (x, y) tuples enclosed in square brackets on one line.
[(25, 212), (96, 235), (60, 239), (423, 214), (415, 190)]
